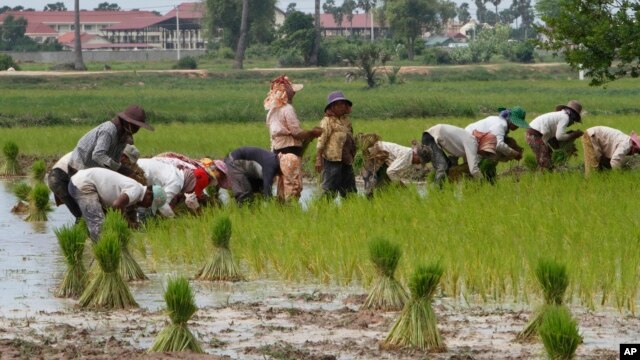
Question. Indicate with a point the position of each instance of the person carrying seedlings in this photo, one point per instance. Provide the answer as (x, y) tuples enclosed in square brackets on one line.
[(508, 120), (103, 145), (384, 159), (547, 132), (336, 147), (457, 142), (606, 148), (58, 181), (288, 139), (97, 189), (251, 171)]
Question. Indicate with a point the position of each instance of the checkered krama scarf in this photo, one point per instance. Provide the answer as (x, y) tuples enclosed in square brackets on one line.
[(278, 95)]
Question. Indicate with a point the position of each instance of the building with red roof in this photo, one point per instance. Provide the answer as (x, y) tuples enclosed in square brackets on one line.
[(359, 26)]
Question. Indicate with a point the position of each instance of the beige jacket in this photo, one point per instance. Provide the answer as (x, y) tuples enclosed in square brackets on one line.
[(610, 143)]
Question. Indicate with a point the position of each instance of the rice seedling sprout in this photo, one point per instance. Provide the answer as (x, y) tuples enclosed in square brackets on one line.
[(129, 267), (39, 204), (222, 266), (417, 325), (559, 333), (107, 289), (21, 190), (387, 293), (38, 170), (11, 164), (180, 307), (72, 240), (553, 279)]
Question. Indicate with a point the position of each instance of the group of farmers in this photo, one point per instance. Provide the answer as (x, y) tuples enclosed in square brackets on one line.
[(104, 169)]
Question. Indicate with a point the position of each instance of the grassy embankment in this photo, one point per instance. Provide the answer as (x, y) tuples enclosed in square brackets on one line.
[(487, 237)]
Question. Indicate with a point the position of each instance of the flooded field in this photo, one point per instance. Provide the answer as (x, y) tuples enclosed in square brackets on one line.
[(256, 319)]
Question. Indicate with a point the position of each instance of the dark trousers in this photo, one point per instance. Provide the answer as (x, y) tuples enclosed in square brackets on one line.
[(439, 160), (244, 184), (337, 178), (59, 185)]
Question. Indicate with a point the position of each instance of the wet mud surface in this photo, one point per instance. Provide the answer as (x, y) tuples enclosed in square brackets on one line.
[(258, 319)]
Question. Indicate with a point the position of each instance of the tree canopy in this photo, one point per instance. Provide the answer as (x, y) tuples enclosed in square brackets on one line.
[(58, 6), (226, 15), (105, 6), (600, 37)]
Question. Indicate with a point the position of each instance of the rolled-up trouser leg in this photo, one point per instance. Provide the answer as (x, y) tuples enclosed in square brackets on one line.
[(91, 208), (290, 181), (59, 184), (438, 158)]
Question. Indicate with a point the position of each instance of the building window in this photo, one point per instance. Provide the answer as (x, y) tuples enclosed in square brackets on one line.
[(88, 27), (72, 27)]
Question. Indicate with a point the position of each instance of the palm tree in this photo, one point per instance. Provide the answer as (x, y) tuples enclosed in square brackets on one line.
[(313, 57), (496, 3), (78, 63), (242, 41)]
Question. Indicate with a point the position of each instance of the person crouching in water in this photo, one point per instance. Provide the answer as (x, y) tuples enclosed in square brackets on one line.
[(606, 148), (336, 147), (458, 143)]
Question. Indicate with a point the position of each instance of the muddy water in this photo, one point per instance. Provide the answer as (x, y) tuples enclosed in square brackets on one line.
[(31, 267)]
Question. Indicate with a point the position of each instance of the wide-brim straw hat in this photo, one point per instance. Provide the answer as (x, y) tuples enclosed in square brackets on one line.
[(136, 115), (336, 96), (297, 87), (573, 105), (634, 139), (131, 152)]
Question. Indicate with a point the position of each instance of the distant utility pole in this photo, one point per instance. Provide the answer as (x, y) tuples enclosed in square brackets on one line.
[(371, 12), (178, 30)]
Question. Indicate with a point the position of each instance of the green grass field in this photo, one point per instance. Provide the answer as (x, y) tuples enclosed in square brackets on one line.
[(489, 238)]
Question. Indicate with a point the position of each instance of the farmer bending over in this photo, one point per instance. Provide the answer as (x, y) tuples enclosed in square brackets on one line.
[(500, 125), (606, 147), (547, 132), (97, 189), (251, 171)]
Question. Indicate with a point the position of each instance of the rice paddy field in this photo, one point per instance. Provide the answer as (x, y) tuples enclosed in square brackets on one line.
[(487, 238)]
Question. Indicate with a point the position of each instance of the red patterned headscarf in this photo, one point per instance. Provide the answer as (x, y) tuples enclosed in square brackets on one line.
[(278, 94)]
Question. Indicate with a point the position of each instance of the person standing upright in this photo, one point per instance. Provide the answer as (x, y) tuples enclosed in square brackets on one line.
[(287, 137), (336, 147)]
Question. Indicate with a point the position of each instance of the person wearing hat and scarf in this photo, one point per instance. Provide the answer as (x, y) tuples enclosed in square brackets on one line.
[(548, 132), (287, 137), (458, 143), (500, 125), (103, 145), (605, 147), (336, 147), (97, 189), (385, 162)]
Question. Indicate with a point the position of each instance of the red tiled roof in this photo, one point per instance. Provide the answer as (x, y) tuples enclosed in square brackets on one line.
[(40, 29), (137, 23), (71, 36), (359, 21), (193, 10), (63, 17), (113, 46)]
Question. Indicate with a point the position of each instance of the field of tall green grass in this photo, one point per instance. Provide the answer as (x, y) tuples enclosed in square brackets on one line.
[(489, 238)]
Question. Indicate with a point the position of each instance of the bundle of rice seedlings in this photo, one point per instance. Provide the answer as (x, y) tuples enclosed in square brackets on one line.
[(38, 170), (559, 333), (39, 204), (71, 240), (180, 306), (106, 289), (489, 169), (129, 267), (530, 162), (11, 165), (387, 293), (222, 267), (554, 281), (417, 324), (22, 190)]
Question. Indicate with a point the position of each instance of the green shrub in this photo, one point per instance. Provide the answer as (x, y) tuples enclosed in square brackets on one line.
[(521, 52), (6, 62), (226, 53), (461, 56), (290, 58), (258, 51), (187, 62)]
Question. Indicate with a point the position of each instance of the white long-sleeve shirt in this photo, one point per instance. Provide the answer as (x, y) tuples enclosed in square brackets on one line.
[(499, 127), (550, 125), (399, 158), (109, 185), (170, 178), (458, 142), (610, 143)]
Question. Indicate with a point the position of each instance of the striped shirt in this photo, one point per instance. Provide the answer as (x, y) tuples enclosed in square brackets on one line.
[(100, 147)]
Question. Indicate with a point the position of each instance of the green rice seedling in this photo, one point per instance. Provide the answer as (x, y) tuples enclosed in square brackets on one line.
[(72, 240), (417, 325), (22, 190), (129, 267), (222, 267), (39, 204), (106, 289), (11, 165), (180, 307), (38, 170), (559, 333), (387, 293), (553, 279), (530, 162)]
